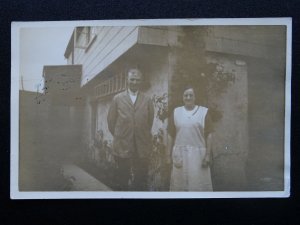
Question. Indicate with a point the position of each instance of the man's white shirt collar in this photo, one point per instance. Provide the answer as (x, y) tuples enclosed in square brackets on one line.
[(132, 95)]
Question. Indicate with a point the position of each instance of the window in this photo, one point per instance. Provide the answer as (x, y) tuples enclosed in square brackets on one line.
[(85, 37), (90, 35), (110, 86)]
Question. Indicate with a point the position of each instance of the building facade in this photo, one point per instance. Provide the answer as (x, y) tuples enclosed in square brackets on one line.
[(244, 89)]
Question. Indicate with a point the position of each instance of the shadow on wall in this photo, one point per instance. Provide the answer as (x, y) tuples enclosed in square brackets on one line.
[(265, 165)]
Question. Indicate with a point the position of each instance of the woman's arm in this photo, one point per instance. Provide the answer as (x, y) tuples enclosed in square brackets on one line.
[(207, 157), (170, 143), (170, 137), (208, 137)]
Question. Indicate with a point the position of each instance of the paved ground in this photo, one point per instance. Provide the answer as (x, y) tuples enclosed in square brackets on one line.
[(79, 180)]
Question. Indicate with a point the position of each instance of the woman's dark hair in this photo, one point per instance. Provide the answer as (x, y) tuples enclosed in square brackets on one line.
[(199, 100), (189, 86)]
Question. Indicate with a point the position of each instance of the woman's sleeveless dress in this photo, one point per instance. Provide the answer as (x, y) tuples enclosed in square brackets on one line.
[(189, 151)]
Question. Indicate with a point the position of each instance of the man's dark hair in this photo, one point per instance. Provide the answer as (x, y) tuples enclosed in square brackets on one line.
[(133, 68)]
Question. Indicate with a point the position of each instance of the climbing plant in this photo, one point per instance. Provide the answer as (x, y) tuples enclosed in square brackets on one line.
[(192, 68), (161, 103)]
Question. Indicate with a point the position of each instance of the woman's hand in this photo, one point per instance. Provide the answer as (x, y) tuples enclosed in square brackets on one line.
[(206, 161), (207, 157), (168, 159), (169, 149)]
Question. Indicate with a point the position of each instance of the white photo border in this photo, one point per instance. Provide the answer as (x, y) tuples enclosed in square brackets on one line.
[(14, 140)]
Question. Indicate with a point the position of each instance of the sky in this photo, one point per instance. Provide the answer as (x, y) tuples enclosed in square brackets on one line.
[(40, 47)]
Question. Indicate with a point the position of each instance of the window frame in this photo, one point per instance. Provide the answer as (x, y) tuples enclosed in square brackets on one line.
[(91, 35), (110, 86)]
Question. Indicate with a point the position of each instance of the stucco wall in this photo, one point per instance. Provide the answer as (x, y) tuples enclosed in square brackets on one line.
[(265, 165), (229, 96), (87, 123)]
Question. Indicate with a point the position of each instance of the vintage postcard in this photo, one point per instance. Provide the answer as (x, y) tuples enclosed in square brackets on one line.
[(176, 108)]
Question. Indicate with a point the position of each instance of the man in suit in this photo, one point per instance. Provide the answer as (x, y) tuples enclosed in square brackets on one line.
[(130, 120)]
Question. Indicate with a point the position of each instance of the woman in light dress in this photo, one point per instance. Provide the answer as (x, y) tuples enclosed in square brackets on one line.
[(190, 145)]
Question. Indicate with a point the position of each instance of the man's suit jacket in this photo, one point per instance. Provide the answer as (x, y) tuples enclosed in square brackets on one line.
[(131, 124)]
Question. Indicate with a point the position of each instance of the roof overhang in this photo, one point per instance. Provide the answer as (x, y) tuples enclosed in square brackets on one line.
[(150, 36)]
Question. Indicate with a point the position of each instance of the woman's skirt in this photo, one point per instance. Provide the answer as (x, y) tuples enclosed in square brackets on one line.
[(188, 174)]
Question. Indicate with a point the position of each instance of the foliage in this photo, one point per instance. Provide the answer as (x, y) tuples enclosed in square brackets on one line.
[(157, 168), (220, 80), (191, 66), (161, 103), (192, 69)]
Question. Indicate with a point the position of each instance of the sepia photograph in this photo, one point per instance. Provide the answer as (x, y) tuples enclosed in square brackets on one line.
[(177, 108)]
